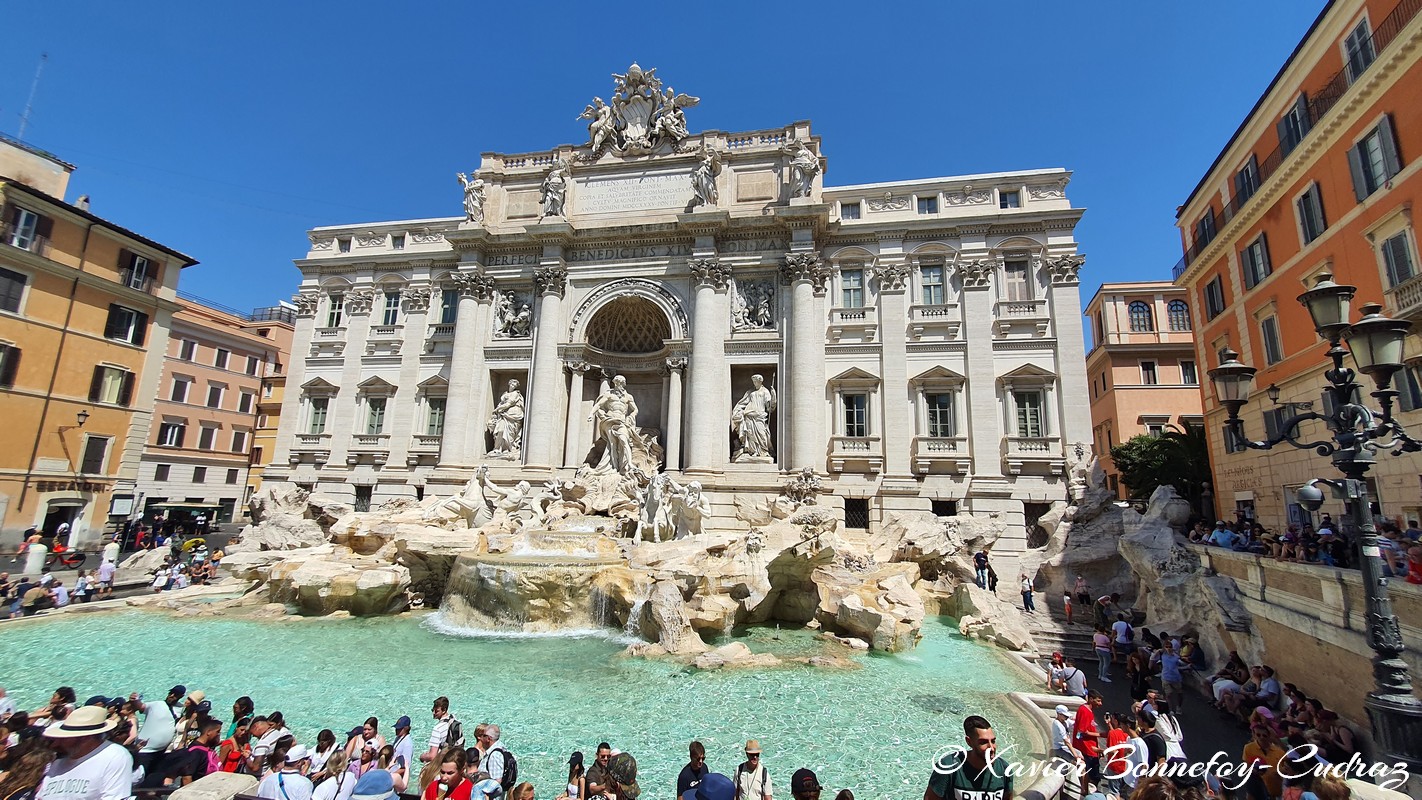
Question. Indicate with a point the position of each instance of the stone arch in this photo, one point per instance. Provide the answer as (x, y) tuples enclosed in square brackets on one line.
[(628, 324), (648, 294)]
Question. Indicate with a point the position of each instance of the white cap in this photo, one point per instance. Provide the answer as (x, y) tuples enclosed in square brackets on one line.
[(1062, 711), (297, 753)]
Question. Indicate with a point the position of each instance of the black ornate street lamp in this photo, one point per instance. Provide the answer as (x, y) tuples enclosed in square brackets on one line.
[(1357, 433)]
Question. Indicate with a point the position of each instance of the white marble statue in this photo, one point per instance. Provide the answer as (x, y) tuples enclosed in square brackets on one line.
[(654, 523), (689, 508), (555, 189), (512, 320), (473, 197), (601, 125), (750, 419), (506, 424), (703, 177), (517, 508), (614, 421), (470, 505), (804, 168), (641, 117)]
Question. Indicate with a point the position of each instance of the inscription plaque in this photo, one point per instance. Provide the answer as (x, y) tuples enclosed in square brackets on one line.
[(646, 192)]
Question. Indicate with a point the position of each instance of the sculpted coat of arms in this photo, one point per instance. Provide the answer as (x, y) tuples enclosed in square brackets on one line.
[(642, 117)]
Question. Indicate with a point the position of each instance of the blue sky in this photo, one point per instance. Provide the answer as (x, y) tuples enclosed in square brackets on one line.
[(226, 130)]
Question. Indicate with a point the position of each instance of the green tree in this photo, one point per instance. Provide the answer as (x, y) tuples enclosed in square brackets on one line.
[(1178, 458)]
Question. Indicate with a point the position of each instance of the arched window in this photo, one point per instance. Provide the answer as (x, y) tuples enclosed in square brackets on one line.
[(1179, 312), (1141, 318)]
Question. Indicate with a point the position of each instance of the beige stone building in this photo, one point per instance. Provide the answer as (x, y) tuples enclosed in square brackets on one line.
[(1141, 367), (206, 411), (919, 342)]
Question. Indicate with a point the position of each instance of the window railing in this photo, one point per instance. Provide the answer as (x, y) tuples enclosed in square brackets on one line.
[(371, 439), (425, 442), (1320, 102), (856, 444), (33, 242), (139, 281), (1033, 445), (312, 439), (442, 331)]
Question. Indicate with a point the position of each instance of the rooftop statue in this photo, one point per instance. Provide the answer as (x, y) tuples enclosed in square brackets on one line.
[(642, 117)]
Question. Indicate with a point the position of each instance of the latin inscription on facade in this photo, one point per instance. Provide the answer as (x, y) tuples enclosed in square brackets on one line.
[(627, 253), (606, 195), (512, 259)]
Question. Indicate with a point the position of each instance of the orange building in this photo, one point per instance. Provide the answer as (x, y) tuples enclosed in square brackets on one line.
[(1142, 366), (1321, 177), (85, 307), (283, 320)]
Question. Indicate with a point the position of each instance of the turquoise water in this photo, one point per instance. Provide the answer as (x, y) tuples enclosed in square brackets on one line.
[(874, 729)]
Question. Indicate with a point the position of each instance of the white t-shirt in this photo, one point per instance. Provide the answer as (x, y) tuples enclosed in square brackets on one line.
[(319, 759), (1120, 627), (286, 786), (61, 597), (1076, 682), (752, 785), (106, 572), (405, 751), (104, 774), (1135, 761), (264, 745), (335, 788), (111, 551), (7, 706), (440, 732), (159, 724), (1060, 737)]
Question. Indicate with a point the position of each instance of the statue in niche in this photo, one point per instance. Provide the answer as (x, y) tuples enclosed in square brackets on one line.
[(689, 508), (654, 522), (511, 323), (473, 197), (614, 421), (555, 189), (804, 168), (750, 419), (751, 305), (703, 177), (506, 424), (601, 125)]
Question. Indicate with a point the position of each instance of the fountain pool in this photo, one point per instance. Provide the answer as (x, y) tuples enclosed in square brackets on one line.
[(875, 729)]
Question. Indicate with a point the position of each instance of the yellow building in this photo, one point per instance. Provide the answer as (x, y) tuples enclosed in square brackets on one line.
[(85, 309), (283, 319)]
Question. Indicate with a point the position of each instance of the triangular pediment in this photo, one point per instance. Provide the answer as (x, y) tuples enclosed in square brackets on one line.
[(1028, 371), (434, 382), (375, 383), (854, 374), (319, 385), (936, 373)]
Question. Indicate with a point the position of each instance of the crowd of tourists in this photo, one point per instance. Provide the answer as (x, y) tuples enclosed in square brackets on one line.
[(1328, 544)]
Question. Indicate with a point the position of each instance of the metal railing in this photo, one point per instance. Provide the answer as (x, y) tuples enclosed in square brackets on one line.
[(139, 281), (31, 241), (264, 314), (1320, 102)]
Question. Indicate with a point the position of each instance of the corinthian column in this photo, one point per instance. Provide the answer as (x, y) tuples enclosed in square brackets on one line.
[(543, 427), (807, 276), (707, 444), (466, 368)]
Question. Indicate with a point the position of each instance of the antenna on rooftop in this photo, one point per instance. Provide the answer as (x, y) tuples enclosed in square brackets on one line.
[(25, 117)]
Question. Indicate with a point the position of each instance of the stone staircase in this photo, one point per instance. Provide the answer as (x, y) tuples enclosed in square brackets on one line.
[(1053, 634)]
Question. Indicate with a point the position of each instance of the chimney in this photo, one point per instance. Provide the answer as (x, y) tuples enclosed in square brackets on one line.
[(82, 203)]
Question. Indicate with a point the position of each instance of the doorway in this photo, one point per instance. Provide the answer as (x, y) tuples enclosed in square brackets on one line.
[(60, 514)]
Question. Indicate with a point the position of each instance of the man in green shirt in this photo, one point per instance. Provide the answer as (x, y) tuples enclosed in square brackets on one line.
[(974, 773)]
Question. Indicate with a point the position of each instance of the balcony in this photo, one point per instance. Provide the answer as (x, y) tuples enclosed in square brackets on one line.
[(376, 446), (24, 240), (860, 323), (856, 454), (1320, 102), (941, 454), (1405, 299), (1022, 318), (384, 340), (315, 447), (138, 281), (1033, 454), (942, 320), (423, 445)]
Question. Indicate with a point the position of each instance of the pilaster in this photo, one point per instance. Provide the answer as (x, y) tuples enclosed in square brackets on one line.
[(343, 406), (984, 406), (707, 443), (1065, 297), (306, 303), (414, 304), (892, 274)]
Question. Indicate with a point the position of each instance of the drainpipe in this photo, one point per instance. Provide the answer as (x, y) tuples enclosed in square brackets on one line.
[(54, 371)]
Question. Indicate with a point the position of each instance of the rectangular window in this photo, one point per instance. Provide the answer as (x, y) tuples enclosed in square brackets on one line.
[(126, 325), (1246, 181), (335, 310), (374, 415), (1374, 160), (256, 458), (111, 385), (1359, 49), (170, 434), (207, 435), (1274, 419), (232, 476), (851, 282), (1397, 257), (1409, 388), (252, 364), (214, 396), (1205, 230), (239, 441), (362, 497), (856, 513), (928, 205), (262, 420), (1188, 375), (931, 276), (397, 241), (856, 414), (199, 474), (24, 227), (943, 508), (940, 414), (1254, 260), (343, 245), (244, 402), (319, 407), (1294, 125), (1029, 414), (12, 289), (1009, 199), (1016, 285), (1148, 374), (1310, 208), (1214, 297), (1155, 429), (392, 309), (161, 471), (95, 449), (849, 211), (434, 425), (1269, 334), (9, 365), (220, 359), (180, 390), (187, 351), (136, 271), (448, 306)]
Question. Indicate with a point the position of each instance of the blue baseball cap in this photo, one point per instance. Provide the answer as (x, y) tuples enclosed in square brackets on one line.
[(403, 722), (714, 786), (374, 785)]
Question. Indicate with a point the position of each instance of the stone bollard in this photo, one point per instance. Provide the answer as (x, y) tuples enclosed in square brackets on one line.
[(217, 786), (34, 559)]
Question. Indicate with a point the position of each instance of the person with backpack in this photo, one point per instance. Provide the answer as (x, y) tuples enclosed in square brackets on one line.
[(448, 732), (752, 779), (1125, 637), (498, 761)]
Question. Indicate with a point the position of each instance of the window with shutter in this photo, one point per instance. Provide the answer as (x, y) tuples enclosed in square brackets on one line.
[(1375, 159), (434, 425), (319, 407), (1246, 181), (1214, 297), (1397, 256), (1255, 261), (126, 325), (1310, 208), (9, 365), (95, 448), (1029, 414), (375, 415), (1269, 334), (1359, 50), (108, 385), (1294, 125), (940, 414), (206, 436), (12, 289), (856, 415)]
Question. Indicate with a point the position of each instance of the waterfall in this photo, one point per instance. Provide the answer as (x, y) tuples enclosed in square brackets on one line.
[(634, 619), (600, 608)]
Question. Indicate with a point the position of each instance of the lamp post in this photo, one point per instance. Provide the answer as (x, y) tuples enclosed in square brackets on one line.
[(1356, 434)]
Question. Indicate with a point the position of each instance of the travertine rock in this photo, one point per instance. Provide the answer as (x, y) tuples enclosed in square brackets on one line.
[(667, 619), (734, 654), (217, 786), (145, 560), (429, 553), (880, 607), (320, 585), (982, 616)]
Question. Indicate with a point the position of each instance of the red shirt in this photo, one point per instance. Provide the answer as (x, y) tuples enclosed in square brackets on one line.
[(1088, 739), (460, 791), (1116, 761)]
